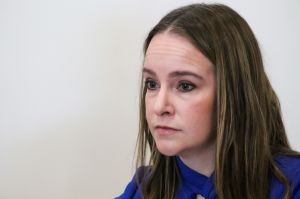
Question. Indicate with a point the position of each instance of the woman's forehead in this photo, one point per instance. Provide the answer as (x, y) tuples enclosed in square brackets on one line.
[(170, 42), (172, 49)]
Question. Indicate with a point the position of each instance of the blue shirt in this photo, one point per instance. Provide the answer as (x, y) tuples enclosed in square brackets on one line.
[(194, 183)]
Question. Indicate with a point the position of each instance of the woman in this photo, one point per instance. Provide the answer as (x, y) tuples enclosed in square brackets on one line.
[(209, 114)]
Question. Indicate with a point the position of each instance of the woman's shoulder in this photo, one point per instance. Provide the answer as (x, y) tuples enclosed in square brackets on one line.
[(133, 188), (290, 166)]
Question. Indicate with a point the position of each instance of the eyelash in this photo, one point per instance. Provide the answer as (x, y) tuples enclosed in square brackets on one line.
[(148, 82), (190, 85)]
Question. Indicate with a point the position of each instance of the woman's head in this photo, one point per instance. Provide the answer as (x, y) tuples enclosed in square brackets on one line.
[(180, 93), (233, 106)]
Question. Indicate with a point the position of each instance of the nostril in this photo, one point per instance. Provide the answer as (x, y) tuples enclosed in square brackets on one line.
[(164, 107)]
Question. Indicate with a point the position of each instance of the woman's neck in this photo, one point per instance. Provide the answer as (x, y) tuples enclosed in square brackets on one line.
[(201, 159)]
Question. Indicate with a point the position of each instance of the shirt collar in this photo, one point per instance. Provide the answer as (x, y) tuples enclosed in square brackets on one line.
[(196, 182)]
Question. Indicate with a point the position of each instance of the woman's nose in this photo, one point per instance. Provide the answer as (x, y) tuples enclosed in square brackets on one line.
[(163, 103)]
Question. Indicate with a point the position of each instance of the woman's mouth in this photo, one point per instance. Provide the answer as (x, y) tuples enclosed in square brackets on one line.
[(165, 130)]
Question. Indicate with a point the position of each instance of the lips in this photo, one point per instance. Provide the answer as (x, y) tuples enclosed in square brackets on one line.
[(165, 130)]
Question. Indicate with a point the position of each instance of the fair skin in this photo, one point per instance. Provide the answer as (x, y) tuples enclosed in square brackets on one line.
[(179, 100)]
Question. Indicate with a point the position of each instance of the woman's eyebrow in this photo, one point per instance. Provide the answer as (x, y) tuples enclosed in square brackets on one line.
[(147, 70), (175, 73), (185, 73)]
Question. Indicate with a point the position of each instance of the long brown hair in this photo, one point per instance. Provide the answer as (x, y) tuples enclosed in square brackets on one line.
[(249, 127)]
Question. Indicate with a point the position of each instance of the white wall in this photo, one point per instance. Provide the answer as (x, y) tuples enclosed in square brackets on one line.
[(69, 74)]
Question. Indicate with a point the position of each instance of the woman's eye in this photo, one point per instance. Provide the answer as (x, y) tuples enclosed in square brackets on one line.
[(151, 85), (186, 86)]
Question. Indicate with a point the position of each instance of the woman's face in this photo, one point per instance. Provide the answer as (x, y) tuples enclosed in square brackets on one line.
[(180, 95)]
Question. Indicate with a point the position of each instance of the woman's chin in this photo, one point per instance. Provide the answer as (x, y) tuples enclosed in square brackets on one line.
[(167, 149)]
